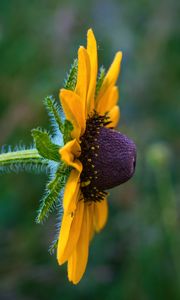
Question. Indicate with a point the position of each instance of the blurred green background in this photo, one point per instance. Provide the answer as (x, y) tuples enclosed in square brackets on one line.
[(137, 256)]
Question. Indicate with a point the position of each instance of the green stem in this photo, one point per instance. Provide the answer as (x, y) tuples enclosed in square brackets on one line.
[(21, 160), (18, 155)]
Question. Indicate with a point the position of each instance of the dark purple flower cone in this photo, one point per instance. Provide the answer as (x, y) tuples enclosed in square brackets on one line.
[(116, 160)]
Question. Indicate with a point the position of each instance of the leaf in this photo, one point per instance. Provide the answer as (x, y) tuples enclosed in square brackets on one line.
[(54, 111), (70, 82), (45, 146), (53, 190), (68, 127), (48, 201), (101, 76), (53, 246)]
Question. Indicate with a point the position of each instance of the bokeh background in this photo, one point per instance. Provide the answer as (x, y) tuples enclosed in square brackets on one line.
[(137, 256)]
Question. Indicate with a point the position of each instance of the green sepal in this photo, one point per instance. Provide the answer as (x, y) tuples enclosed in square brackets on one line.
[(53, 246), (54, 111), (68, 127), (101, 76), (44, 145), (62, 172), (70, 82), (53, 190)]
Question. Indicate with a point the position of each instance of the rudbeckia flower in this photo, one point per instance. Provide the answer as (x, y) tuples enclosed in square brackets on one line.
[(99, 156), (85, 156)]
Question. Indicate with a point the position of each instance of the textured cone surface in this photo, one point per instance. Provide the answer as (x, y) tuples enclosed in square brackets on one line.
[(115, 163)]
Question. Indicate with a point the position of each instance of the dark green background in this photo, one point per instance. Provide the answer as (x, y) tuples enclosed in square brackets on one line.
[(137, 256)]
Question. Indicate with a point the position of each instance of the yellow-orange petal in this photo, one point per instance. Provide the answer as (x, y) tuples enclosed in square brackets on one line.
[(91, 221), (69, 234), (83, 76), (114, 115), (64, 234), (111, 77), (100, 214), (71, 196), (69, 152), (78, 260), (71, 192), (92, 52), (74, 110), (108, 100)]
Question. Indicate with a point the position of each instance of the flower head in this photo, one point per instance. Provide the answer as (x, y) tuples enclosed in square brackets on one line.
[(84, 156), (100, 157)]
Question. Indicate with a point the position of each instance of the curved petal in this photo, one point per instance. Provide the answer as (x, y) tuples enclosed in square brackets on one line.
[(92, 51), (69, 234), (69, 152), (91, 221), (71, 196), (110, 78), (100, 214), (83, 76), (78, 260), (114, 115), (108, 100), (64, 235), (74, 111), (71, 192)]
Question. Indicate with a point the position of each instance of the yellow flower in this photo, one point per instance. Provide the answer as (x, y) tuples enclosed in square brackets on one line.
[(85, 207)]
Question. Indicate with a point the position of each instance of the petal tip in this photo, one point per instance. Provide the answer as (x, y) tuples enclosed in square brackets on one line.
[(90, 31), (59, 261), (81, 48), (90, 36), (62, 91), (119, 55)]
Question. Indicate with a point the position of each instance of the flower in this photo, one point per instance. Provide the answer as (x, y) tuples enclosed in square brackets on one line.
[(100, 157)]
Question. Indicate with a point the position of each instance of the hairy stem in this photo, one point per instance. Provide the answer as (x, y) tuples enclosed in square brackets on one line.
[(22, 160), (19, 155)]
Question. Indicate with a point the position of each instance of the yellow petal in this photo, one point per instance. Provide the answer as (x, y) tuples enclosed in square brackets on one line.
[(91, 221), (72, 262), (64, 234), (114, 115), (78, 260), (71, 192), (70, 199), (92, 52), (69, 152), (67, 242), (83, 76), (110, 78), (74, 110), (113, 99), (108, 100), (100, 214)]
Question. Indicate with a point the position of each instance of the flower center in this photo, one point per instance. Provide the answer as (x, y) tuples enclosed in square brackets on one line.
[(108, 158)]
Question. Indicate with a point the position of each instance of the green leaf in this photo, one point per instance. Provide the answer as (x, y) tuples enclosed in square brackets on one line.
[(68, 127), (45, 146), (53, 246), (101, 76), (70, 82), (62, 172), (48, 202), (53, 190), (54, 111)]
